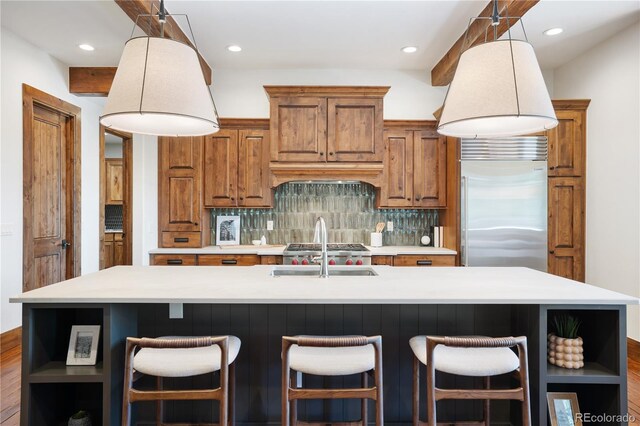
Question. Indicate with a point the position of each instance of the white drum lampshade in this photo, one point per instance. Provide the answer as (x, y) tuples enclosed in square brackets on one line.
[(159, 89), (497, 94)]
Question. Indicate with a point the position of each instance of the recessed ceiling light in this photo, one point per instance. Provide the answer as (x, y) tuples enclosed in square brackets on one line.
[(410, 49), (553, 31), (234, 48), (86, 47)]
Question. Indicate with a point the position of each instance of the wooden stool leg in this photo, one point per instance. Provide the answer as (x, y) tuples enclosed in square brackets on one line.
[(487, 403), (128, 378), (363, 402), (293, 404), (377, 345), (159, 403), (232, 394), (524, 383), (416, 391), (431, 384)]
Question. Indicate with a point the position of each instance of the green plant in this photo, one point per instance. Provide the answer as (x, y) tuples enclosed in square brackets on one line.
[(80, 415), (566, 326)]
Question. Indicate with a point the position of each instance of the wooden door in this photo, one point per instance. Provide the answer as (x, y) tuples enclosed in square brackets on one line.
[(118, 250), (566, 144), (566, 227), (397, 188), (109, 243), (429, 169), (253, 169), (221, 169), (299, 129), (114, 181), (180, 183), (48, 187), (355, 130)]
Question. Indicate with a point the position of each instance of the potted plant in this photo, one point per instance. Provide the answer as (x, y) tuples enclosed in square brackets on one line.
[(81, 418), (564, 346)]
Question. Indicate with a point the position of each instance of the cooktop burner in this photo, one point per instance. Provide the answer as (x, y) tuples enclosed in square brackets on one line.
[(330, 247)]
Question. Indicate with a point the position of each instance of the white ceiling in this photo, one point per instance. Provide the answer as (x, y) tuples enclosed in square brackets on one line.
[(313, 34)]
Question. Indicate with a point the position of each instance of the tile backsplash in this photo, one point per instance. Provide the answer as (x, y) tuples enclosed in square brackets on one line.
[(348, 209)]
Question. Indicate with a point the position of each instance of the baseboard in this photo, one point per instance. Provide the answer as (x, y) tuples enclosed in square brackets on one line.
[(10, 339)]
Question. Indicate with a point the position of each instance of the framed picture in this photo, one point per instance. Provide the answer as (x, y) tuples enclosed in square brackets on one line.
[(227, 230), (83, 345), (563, 409)]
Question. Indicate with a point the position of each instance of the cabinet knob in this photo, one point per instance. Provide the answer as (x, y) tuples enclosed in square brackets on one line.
[(196, 224), (551, 251), (233, 198), (331, 153), (322, 153), (552, 168), (408, 199), (417, 198), (241, 198)]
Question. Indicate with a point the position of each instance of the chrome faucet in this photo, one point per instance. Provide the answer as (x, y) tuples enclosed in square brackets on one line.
[(321, 234)]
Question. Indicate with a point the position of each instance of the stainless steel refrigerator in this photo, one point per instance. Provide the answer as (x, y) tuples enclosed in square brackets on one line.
[(504, 202)]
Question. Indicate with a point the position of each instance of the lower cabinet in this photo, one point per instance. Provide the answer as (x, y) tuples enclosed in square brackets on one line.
[(174, 259), (206, 259), (113, 249), (418, 260), (228, 259), (382, 260)]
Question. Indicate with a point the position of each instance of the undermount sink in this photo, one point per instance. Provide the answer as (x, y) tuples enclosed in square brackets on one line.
[(310, 271)]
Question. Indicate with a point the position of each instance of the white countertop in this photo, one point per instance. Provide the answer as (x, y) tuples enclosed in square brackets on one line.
[(277, 250), (253, 284)]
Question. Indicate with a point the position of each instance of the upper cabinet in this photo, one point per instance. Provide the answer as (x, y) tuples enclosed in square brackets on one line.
[(114, 181), (236, 165), (326, 124), (415, 167), (566, 150)]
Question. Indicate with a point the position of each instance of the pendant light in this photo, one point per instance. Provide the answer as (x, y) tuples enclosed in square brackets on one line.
[(159, 88), (497, 90)]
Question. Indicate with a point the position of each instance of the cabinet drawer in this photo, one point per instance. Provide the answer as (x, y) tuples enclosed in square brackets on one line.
[(181, 239), (271, 260), (228, 260), (382, 260), (173, 259), (417, 260)]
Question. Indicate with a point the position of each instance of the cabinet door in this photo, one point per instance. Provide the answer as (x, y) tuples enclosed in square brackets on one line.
[(298, 129), (108, 254), (180, 183), (253, 169), (567, 145), (174, 259), (397, 188), (228, 260), (221, 169), (429, 169), (114, 181), (355, 130), (118, 252), (566, 228), (418, 260)]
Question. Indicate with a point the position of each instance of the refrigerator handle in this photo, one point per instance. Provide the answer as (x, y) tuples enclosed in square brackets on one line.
[(465, 209)]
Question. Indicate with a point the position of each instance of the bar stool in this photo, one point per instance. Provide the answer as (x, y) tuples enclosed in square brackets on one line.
[(331, 356), (181, 357), (475, 357)]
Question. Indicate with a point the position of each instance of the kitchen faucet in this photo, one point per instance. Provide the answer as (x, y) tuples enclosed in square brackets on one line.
[(321, 234)]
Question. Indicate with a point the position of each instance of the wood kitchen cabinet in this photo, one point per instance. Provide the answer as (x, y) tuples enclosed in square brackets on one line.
[(182, 219), (567, 147), (228, 259), (174, 259), (326, 124), (566, 227), (114, 181), (416, 169), (113, 249), (236, 166), (420, 260)]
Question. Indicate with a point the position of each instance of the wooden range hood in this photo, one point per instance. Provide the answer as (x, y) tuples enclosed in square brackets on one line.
[(326, 133), (370, 173)]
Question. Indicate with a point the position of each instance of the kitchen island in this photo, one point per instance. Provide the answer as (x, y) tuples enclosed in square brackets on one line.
[(250, 303)]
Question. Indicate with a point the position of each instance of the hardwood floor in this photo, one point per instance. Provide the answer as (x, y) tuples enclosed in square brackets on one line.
[(10, 385)]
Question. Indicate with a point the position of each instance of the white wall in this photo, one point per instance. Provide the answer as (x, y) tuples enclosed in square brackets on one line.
[(609, 74), (239, 93), (24, 63), (145, 197)]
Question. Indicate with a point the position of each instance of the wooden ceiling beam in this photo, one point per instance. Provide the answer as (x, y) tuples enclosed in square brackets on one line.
[(151, 27), (91, 81), (442, 73)]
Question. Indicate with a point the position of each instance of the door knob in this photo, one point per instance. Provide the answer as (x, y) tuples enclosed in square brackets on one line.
[(65, 244)]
